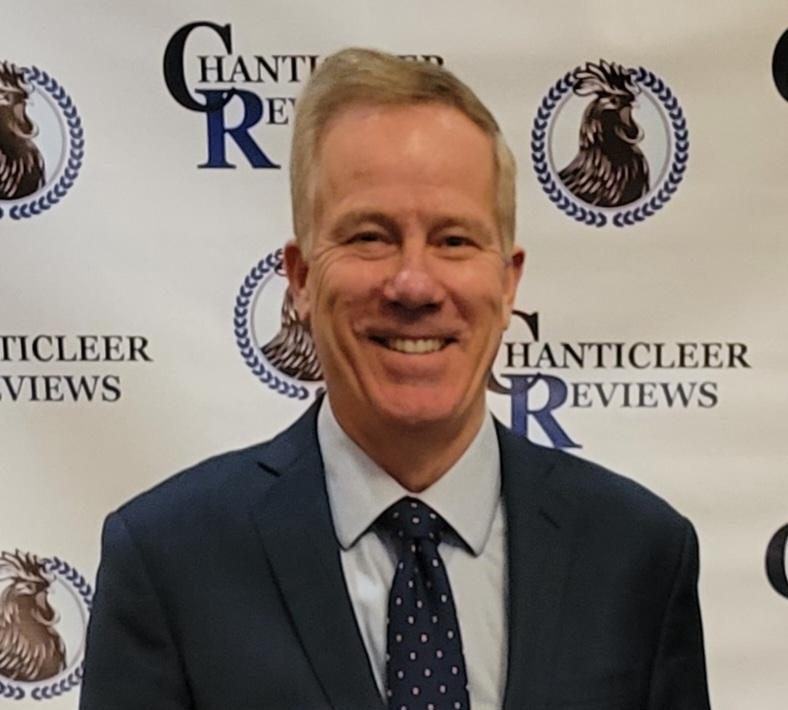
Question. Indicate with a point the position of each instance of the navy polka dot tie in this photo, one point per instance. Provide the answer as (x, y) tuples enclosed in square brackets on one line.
[(425, 668)]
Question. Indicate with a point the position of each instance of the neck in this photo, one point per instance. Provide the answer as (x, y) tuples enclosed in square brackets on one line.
[(416, 456)]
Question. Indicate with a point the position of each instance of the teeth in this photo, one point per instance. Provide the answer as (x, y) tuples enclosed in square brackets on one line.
[(414, 345)]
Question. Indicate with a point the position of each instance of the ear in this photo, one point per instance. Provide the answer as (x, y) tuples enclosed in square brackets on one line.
[(514, 272), (297, 270)]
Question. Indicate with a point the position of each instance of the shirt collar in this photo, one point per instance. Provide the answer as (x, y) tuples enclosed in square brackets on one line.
[(359, 490)]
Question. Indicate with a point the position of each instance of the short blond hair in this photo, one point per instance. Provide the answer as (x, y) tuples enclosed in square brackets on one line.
[(359, 76)]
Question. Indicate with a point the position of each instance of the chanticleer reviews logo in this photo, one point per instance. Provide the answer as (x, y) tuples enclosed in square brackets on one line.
[(41, 141), (44, 608), (609, 144)]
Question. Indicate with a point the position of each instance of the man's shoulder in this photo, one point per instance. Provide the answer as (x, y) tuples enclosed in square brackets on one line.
[(216, 489), (599, 496), (595, 485), (196, 493)]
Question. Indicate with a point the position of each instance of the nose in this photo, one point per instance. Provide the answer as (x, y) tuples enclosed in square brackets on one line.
[(413, 284)]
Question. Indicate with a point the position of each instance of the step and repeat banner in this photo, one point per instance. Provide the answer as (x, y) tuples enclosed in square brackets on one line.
[(143, 207)]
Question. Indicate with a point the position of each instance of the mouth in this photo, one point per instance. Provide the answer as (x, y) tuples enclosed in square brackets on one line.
[(413, 346)]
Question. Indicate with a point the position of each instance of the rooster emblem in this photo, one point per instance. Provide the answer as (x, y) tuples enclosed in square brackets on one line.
[(291, 350), (21, 163), (609, 169), (30, 647)]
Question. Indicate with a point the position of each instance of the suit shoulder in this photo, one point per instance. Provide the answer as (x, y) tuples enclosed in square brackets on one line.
[(603, 494), (595, 483), (217, 489), (220, 482)]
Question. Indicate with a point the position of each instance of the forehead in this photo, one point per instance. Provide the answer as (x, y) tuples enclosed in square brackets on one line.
[(428, 150)]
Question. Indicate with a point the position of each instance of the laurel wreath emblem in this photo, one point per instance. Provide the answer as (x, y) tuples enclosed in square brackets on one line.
[(242, 322), (76, 148), (623, 217), (13, 691)]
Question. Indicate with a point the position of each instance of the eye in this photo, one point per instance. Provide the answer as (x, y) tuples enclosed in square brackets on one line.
[(367, 237), (456, 240), (370, 243), (456, 245)]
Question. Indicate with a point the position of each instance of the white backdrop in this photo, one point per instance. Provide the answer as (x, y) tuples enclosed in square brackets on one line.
[(147, 244)]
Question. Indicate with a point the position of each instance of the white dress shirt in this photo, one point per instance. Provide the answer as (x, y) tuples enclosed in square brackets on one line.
[(468, 497)]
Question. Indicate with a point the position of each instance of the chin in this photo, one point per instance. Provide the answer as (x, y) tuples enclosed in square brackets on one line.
[(417, 409)]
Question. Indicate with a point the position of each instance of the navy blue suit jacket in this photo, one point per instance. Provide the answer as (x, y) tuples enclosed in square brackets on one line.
[(222, 589)]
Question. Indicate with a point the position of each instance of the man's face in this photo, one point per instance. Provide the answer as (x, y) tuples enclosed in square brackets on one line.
[(406, 287)]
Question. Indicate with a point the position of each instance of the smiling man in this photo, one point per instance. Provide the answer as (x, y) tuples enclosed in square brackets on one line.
[(397, 547)]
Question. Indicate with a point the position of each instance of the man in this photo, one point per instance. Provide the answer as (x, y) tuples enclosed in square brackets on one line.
[(396, 547)]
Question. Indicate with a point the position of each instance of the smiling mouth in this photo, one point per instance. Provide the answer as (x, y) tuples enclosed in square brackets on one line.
[(414, 346)]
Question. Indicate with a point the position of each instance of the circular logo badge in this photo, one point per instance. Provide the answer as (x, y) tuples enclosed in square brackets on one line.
[(44, 609), (273, 342), (780, 65), (609, 144), (41, 141)]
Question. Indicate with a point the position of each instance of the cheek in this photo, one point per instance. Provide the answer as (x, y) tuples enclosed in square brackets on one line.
[(341, 295), (481, 297), (335, 295)]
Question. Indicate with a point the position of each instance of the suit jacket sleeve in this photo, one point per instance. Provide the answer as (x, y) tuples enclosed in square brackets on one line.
[(131, 660), (678, 679)]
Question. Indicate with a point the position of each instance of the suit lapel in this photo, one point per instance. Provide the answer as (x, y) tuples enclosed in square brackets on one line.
[(294, 521), (539, 540)]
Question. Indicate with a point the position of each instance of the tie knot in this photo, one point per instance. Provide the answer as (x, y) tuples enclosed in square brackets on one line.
[(410, 518)]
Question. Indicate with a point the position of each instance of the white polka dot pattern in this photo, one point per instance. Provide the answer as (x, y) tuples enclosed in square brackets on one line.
[(425, 668)]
